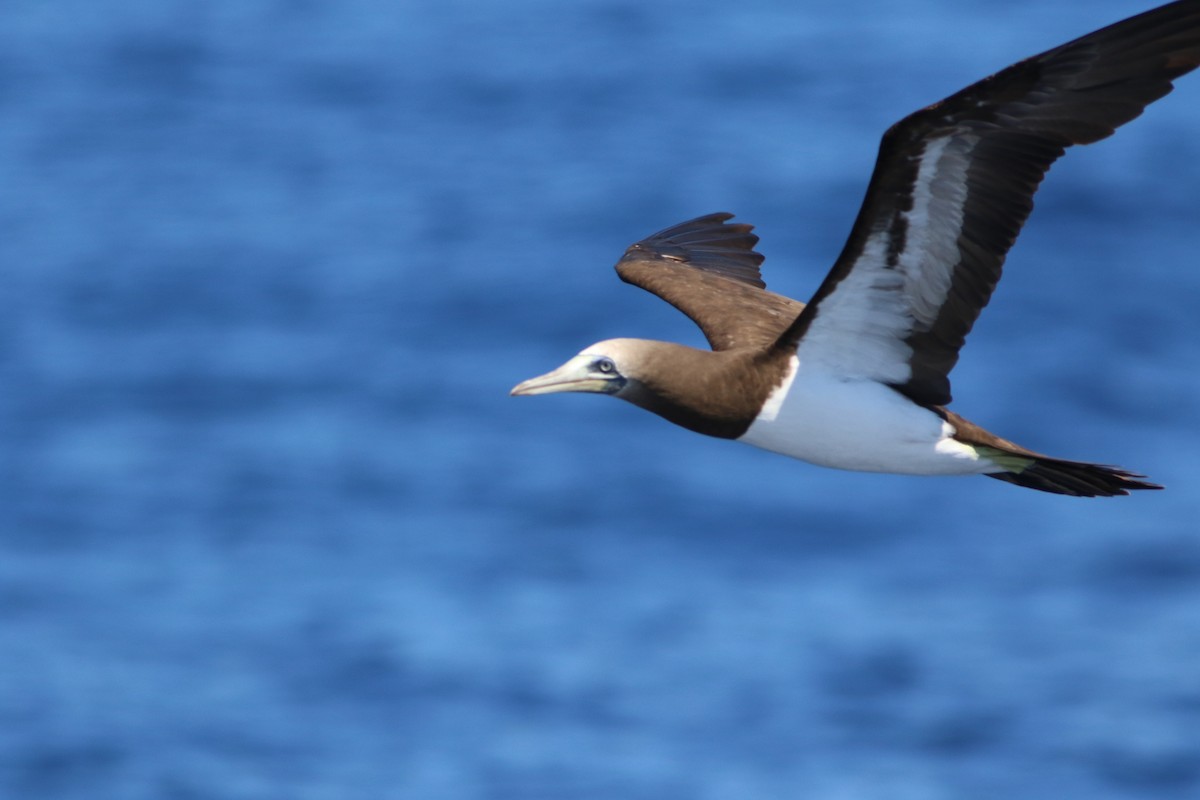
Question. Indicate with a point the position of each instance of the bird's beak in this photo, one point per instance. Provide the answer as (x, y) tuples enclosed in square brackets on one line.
[(573, 376)]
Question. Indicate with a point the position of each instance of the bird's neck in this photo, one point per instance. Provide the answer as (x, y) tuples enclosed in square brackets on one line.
[(714, 393)]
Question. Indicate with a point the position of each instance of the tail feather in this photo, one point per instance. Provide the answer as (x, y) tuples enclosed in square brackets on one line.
[(1075, 478), (1035, 471)]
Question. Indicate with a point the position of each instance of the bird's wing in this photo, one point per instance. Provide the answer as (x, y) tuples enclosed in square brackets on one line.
[(954, 183), (707, 268)]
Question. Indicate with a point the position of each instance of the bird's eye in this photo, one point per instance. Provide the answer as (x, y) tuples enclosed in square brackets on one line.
[(605, 365)]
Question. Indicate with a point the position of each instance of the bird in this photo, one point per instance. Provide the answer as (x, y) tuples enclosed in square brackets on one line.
[(857, 378)]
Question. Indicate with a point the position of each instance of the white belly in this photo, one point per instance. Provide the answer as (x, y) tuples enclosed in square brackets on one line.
[(858, 425)]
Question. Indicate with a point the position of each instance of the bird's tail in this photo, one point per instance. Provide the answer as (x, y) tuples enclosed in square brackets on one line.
[(1075, 478), (1036, 471)]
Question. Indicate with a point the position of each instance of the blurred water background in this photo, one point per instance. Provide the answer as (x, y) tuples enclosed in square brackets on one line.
[(270, 526)]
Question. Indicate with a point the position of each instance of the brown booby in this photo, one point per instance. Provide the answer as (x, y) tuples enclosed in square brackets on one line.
[(857, 378)]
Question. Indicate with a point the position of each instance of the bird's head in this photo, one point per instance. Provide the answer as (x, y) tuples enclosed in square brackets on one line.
[(602, 368)]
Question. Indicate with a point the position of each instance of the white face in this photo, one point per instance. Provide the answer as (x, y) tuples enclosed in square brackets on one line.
[(596, 369), (619, 351)]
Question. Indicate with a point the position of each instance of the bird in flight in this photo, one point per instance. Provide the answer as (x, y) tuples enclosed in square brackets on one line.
[(858, 377)]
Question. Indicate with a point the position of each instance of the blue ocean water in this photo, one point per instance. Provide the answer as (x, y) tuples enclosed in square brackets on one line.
[(270, 526)]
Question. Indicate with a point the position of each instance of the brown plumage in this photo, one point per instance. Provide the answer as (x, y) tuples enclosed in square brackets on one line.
[(708, 269)]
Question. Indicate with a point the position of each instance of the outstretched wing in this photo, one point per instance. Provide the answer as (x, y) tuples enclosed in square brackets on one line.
[(707, 268), (952, 187)]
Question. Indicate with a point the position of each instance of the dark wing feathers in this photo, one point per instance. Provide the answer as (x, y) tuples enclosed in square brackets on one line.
[(710, 243), (984, 151), (707, 268), (1014, 125)]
